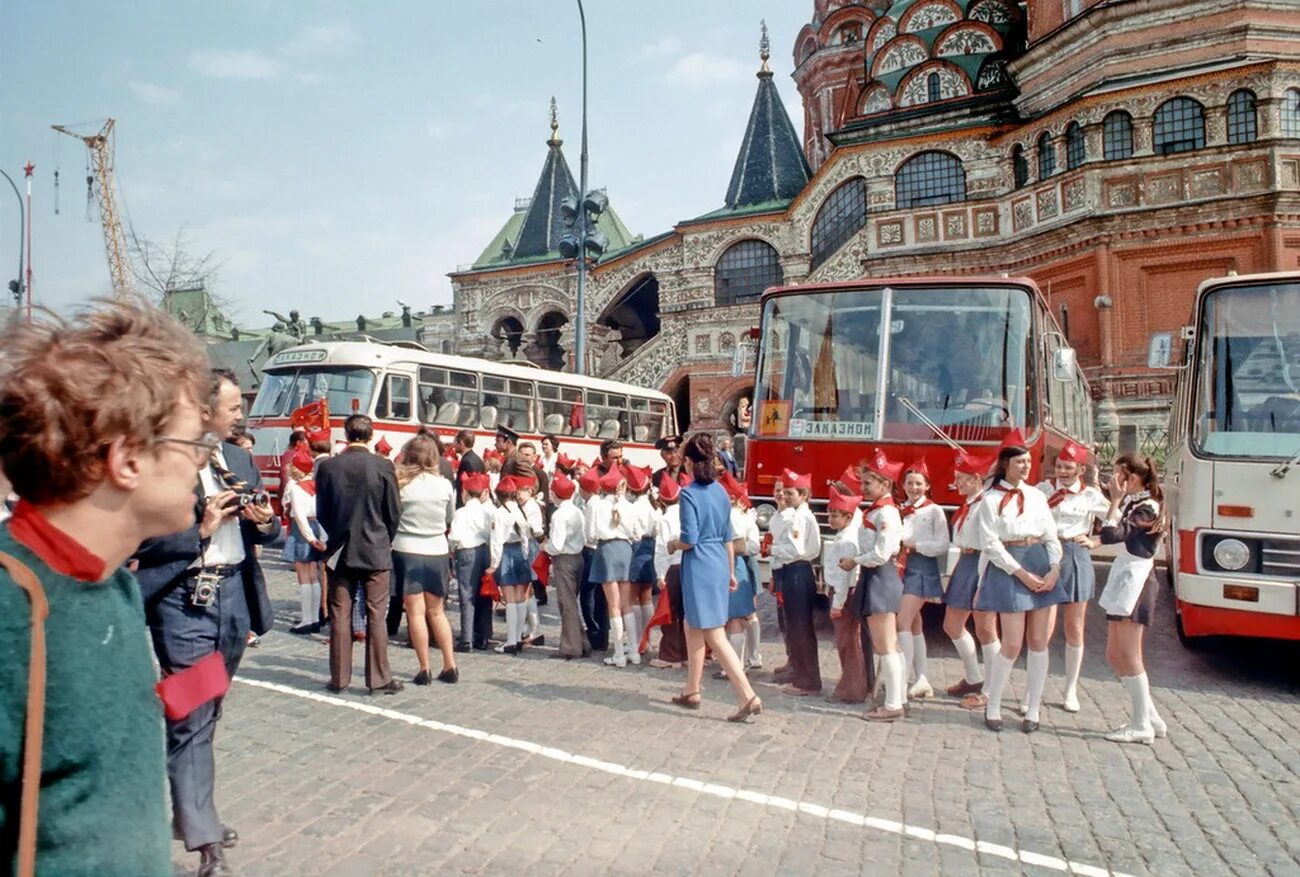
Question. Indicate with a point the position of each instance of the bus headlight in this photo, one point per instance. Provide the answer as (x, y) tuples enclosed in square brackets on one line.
[(1231, 554), (764, 514)]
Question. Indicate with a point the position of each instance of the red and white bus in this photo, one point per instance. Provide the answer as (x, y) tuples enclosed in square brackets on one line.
[(915, 366), (1234, 499), (403, 386)]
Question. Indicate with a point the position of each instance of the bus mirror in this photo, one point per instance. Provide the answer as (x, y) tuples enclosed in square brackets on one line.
[(1160, 351), (1063, 364)]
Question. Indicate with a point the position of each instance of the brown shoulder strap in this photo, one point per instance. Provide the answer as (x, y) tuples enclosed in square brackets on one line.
[(35, 727)]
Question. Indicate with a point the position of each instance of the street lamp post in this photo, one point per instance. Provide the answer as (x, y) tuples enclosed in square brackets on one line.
[(16, 286)]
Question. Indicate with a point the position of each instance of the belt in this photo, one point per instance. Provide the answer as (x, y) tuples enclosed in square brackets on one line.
[(607, 541), (224, 571), (1016, 543)]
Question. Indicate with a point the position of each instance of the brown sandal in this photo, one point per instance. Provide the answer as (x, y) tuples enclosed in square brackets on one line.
[(688, 701), (752, 707)]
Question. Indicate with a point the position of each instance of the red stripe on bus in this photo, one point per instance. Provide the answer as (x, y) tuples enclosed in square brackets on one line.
[(1212, 621)]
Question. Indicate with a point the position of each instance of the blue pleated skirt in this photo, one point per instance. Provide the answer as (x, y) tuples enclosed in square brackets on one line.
[(514, 569), (963, 582), (740, 602), (999, 592), (1077, 575), (641, 570), (880, 590), (921, 577), (612, 561), (298, 550)]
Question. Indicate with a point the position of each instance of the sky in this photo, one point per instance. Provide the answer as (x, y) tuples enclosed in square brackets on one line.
[(336, 157)]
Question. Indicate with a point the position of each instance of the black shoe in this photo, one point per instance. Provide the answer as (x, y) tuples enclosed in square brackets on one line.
[(303, 629), (481, 647), (422, 678), (229, 837), (462, 647), (335, 689), (538, 640), (993, 724), (212, 861), (1028, 727), (451, 677), (391, 688)]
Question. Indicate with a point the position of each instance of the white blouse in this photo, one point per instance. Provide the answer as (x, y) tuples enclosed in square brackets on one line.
[(839, 581), (669, 529), (508, 525), (926, 527), (880, 537), (471, 525), (965, 534), (1009, 524), (600, 519), (428, 501), (643, 520), (799, 537), (1080, 506), (568, 530), (743, 526)]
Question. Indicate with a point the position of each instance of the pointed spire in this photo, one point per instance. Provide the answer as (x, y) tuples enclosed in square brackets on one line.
[(555, 125), (771, 165)]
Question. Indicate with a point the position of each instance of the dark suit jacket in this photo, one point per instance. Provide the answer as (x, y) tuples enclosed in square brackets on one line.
[(163, 560), (470, 461), (357, 504)]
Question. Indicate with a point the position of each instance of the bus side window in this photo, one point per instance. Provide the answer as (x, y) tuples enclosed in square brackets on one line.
[(647, 420), (507, 403), (560, 410), (394, 401), (448, 398), (606, 415)]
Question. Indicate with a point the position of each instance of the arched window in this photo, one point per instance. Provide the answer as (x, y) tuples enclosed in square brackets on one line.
[(1291, 113), (932, 90), (929, 178), (1020, 166), (1117, 135), (841, 215), (744, 271), (1076, 149), (1046, 156), (1179, 126), (1243, 126)]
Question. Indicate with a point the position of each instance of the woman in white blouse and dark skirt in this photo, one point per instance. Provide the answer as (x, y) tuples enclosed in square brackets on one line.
[(422, 555), (1021, 582), (1135, 521), (925, 540), (1075, 506)]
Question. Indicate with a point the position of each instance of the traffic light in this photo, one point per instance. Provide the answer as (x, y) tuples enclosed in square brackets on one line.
[(583, 235)]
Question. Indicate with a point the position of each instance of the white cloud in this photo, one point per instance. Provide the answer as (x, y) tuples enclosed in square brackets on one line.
[(235, 64), (334, 37), (703, 69), (155, 95), (660, 48)]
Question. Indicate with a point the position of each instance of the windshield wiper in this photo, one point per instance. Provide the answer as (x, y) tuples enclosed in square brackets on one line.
[(934, 427), (1280, 471)]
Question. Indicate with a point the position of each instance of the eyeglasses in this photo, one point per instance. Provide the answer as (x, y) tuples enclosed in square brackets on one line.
[(201, 448)]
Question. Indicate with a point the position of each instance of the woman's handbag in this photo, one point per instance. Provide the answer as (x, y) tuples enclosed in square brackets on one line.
[(35, 722)]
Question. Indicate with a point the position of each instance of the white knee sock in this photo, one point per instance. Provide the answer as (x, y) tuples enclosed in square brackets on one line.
[(753, 631), (737, 641), (532, 620), (970, 663), (894, 671), (632, 630), (1139, 692), (512, 624), (647, 612), (1036, 664), (999, 671), (1073, 664), (315, 601), (989, 651), (616, 634), (905, 642), (305, 604), (920, 652)]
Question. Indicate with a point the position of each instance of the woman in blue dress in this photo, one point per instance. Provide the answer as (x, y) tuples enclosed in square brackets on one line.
[(708, 577)]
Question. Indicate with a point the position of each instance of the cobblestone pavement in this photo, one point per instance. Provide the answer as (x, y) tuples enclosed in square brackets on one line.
[(540, 766)]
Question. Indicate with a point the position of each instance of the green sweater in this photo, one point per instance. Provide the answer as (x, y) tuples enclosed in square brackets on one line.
[(103, 807)]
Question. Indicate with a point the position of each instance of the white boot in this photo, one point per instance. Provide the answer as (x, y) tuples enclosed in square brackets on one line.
[(1073, 664), (616, 658)]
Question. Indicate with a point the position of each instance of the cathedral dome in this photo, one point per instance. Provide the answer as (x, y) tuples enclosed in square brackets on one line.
[(926, 51)]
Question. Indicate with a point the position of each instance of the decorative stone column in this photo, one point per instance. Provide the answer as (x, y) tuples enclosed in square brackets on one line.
[(1143, 129), (1107, 415)]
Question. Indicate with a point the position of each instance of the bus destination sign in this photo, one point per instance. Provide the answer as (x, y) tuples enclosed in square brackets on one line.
[(801, 428), (292, 356)]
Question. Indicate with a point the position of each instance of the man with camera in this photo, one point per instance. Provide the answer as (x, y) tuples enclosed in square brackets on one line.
[(203, 591)]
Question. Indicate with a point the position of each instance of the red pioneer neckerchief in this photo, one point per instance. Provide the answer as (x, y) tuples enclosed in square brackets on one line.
[(910, 508), (59, 551), (1010, 493), (1059, 496), (878, 504), (959, 516)]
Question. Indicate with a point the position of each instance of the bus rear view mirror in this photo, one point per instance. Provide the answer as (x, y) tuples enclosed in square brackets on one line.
[(1063, 364)]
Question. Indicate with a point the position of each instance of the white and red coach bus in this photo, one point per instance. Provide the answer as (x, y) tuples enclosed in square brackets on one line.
[(403, 386), (1234, 501), (914, 366)]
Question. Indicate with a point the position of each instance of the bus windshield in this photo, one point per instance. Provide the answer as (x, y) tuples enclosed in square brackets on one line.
[(283, 391), (957, 355), (1248, 373)]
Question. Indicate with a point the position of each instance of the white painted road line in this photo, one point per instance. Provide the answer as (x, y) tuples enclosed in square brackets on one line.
[(888, 826)]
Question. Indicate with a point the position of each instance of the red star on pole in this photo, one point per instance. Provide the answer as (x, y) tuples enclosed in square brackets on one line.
[(28, 168)]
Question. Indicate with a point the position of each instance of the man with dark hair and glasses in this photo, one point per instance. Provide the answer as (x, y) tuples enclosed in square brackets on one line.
[(204, 591)]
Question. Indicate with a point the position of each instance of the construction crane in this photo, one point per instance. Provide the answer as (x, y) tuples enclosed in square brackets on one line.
[(100, 146)]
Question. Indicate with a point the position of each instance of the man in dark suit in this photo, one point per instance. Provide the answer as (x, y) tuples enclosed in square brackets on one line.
[(470, 461), (357, 504), (203, 592)]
